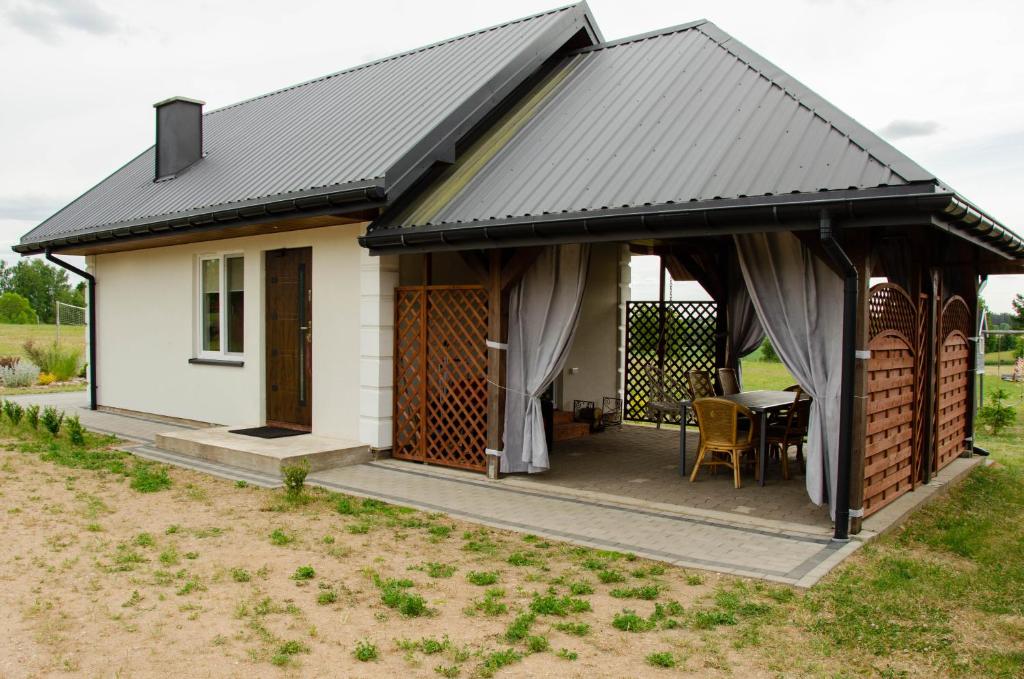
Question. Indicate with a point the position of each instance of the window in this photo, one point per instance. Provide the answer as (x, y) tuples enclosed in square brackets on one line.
[(221, 305)]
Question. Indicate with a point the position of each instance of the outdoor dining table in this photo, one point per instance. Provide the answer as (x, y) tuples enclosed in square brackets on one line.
[(761, 404)]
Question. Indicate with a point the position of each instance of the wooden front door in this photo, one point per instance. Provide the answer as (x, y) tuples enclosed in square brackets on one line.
[(289, 317)]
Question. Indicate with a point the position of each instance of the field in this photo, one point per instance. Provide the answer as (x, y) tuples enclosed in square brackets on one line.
[(12, 337), (117, 567)]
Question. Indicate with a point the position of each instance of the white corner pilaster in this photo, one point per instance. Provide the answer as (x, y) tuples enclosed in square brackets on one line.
[(378, 277), (624, 296)]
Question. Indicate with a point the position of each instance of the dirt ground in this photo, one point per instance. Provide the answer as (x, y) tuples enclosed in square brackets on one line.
[(99, 580)]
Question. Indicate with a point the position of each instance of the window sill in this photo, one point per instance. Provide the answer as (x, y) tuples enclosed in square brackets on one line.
[(217, 361)]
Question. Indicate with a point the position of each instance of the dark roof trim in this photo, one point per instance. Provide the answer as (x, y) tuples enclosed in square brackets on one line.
[(370, 195), (718, 217), (438, 145)]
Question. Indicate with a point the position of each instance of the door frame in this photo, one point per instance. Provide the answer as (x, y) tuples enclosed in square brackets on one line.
[(264, 335)]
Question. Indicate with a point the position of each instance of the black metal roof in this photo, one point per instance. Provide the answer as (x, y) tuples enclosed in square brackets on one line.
[(682, 120), (363, 134)]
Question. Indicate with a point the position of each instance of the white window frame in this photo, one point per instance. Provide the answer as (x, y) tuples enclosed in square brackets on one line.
[(197, 300)]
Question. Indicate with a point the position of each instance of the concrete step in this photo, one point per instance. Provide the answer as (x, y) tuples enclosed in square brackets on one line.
[(266, 456), (571, 430)]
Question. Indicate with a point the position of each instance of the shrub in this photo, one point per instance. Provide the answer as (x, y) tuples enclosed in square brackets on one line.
[(76, 433), (996, 416), (295, 477), (32, 416), (768, 352), (63, 362), (46, 378), (13, 411), (21, 374), (9, 361), (16, 309), (52, 419)]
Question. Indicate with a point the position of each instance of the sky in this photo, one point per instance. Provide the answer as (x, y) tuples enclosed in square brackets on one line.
[(939, 79)]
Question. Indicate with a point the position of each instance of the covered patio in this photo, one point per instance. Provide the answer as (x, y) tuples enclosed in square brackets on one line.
[(860, 266)]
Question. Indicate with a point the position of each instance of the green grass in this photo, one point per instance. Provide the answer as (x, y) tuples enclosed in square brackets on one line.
[(13, 337)]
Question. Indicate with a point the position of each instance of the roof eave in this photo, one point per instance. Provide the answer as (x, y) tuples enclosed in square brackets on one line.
[(913, 204), (350, 199)]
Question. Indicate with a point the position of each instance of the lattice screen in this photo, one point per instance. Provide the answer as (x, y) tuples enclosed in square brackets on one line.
[(891, 445), (441, 375), (689, 344), (952, 381)]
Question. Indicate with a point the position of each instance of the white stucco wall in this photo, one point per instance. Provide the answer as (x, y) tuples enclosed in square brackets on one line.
[(146, 334), (595, 354)]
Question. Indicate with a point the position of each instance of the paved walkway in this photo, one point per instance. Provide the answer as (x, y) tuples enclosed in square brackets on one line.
[(789, 552), (779, 554)]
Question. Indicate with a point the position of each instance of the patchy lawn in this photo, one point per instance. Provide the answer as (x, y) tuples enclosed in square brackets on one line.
[(114, 566)]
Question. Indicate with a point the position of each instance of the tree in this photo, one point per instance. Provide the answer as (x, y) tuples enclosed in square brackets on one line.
[(1018, 310), (41, 284), (15, 309)]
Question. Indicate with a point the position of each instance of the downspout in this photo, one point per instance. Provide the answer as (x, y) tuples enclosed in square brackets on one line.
[(842, 263), (978, 375), (92, 321)]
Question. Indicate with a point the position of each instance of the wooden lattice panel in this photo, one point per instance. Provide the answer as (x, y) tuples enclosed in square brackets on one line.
[(456, 417), (410, 381), (888, 463), (688, 340), (440, 397), (951, 411)]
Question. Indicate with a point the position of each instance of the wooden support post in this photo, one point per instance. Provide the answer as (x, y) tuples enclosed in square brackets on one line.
[(862, 260), (930, 447), (497, 331), (661, 313)]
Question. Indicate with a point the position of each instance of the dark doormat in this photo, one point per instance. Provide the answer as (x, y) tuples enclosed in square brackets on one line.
[(268, 432)]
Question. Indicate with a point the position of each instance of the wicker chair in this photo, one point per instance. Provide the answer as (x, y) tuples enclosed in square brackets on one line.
[(730, 383), (727, 431), (663, 394), (702, 384), (782, 436)]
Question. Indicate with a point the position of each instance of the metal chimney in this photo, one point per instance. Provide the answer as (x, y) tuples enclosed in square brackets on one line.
[(179, 135)]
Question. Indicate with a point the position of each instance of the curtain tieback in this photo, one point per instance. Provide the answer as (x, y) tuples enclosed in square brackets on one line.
[(495, 453), (500, 346), (514, 391)]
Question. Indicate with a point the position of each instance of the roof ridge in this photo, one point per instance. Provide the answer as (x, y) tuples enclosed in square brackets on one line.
[(394, 57), (639, 37)]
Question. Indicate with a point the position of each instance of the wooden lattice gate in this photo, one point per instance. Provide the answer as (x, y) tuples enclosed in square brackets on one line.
[(894, 428), (440, 396), (677, 336), (952, 380)]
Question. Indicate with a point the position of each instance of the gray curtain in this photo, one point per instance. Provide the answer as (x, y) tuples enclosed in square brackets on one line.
[(799, 301), (745, 330), (543, 311)]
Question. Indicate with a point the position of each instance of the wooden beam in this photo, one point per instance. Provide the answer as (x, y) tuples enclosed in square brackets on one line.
[(861, 254), (497, 331), (520, 261), (478, 264)]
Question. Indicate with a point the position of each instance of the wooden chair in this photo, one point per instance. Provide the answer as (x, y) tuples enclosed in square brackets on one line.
[(782, 436), (702, 384), (663, 393), (727, 430), (730, 384)]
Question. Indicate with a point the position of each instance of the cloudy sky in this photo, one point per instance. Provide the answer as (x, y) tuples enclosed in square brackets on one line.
[(940, 79)]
